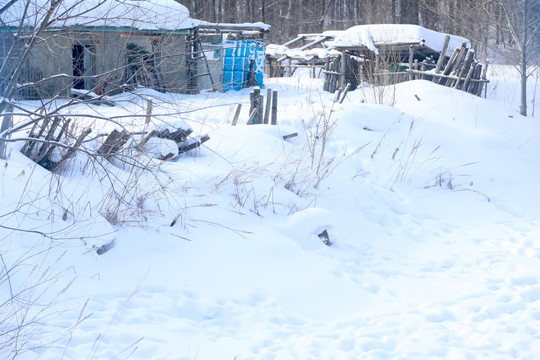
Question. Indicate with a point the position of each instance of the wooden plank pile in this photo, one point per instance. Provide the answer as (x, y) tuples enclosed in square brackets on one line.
[(46, 136), (284, 62), (258, 114), (50, 143), (461, 71), (332, 74)]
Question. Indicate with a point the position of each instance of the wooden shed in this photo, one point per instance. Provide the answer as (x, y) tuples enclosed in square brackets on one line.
[(381, 54), (109, 46)]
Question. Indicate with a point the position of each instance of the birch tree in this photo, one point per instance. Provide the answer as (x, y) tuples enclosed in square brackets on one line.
[(523, 23)]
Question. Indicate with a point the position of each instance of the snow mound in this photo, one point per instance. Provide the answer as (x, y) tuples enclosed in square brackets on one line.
[(160, 148), (306, 226)]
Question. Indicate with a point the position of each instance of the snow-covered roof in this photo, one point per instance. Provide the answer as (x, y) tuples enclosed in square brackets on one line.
[(232, 26), (373, 36), (136, 14)]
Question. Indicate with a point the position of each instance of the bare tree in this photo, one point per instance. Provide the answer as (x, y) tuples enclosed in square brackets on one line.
[(45, 26), (523, 21)]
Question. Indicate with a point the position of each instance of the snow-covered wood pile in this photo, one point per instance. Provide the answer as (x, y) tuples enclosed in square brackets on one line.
[(381, 54)]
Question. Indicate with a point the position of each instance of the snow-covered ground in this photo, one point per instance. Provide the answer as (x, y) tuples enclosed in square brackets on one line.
[(431, 206)]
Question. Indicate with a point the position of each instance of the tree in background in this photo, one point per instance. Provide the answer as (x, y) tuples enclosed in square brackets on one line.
[(523, 23)]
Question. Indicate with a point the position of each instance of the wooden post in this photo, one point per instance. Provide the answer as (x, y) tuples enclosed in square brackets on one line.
[(464, 69), (147, 119), (274, 107), (449, 66), (483, 78), (256, 102), (251, 101), (347, 88), (442, 56), (148, 112), (290, 67), (411, 57), (252, 116), (260, 108), (458, 63), (337, 95), (468, 78), (326, 74), (7, 122), (268, 105), (477, 73), (343, 69), (236, 114)]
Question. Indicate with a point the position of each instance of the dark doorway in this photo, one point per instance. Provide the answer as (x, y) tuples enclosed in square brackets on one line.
[(78, 66), (83, 65)]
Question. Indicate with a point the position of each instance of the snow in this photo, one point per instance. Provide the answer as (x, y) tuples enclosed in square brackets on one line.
[(260, 25), (137, 14), (374, 35), (431, 206)]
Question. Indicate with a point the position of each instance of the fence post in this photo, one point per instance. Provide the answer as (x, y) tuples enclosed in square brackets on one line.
[(7, 122), (268, 105), (274, 107)]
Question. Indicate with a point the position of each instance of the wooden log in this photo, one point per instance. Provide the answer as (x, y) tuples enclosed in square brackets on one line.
[(285, 137), (191, 144), (45, 160), (293, 41), (31, 134), (458, 63), (73, 148), (467, 82), (464, 69), (236, 114), (29, 145), (448, 68), (145, 139), (337, 95), (442, 55), (345, 92), (274, 107), (113, 143), (178, 135), (313, 43), (38, 155), (452, 77)]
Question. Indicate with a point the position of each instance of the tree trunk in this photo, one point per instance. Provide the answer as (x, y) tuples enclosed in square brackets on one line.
[(525, 41), (409, 12)]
